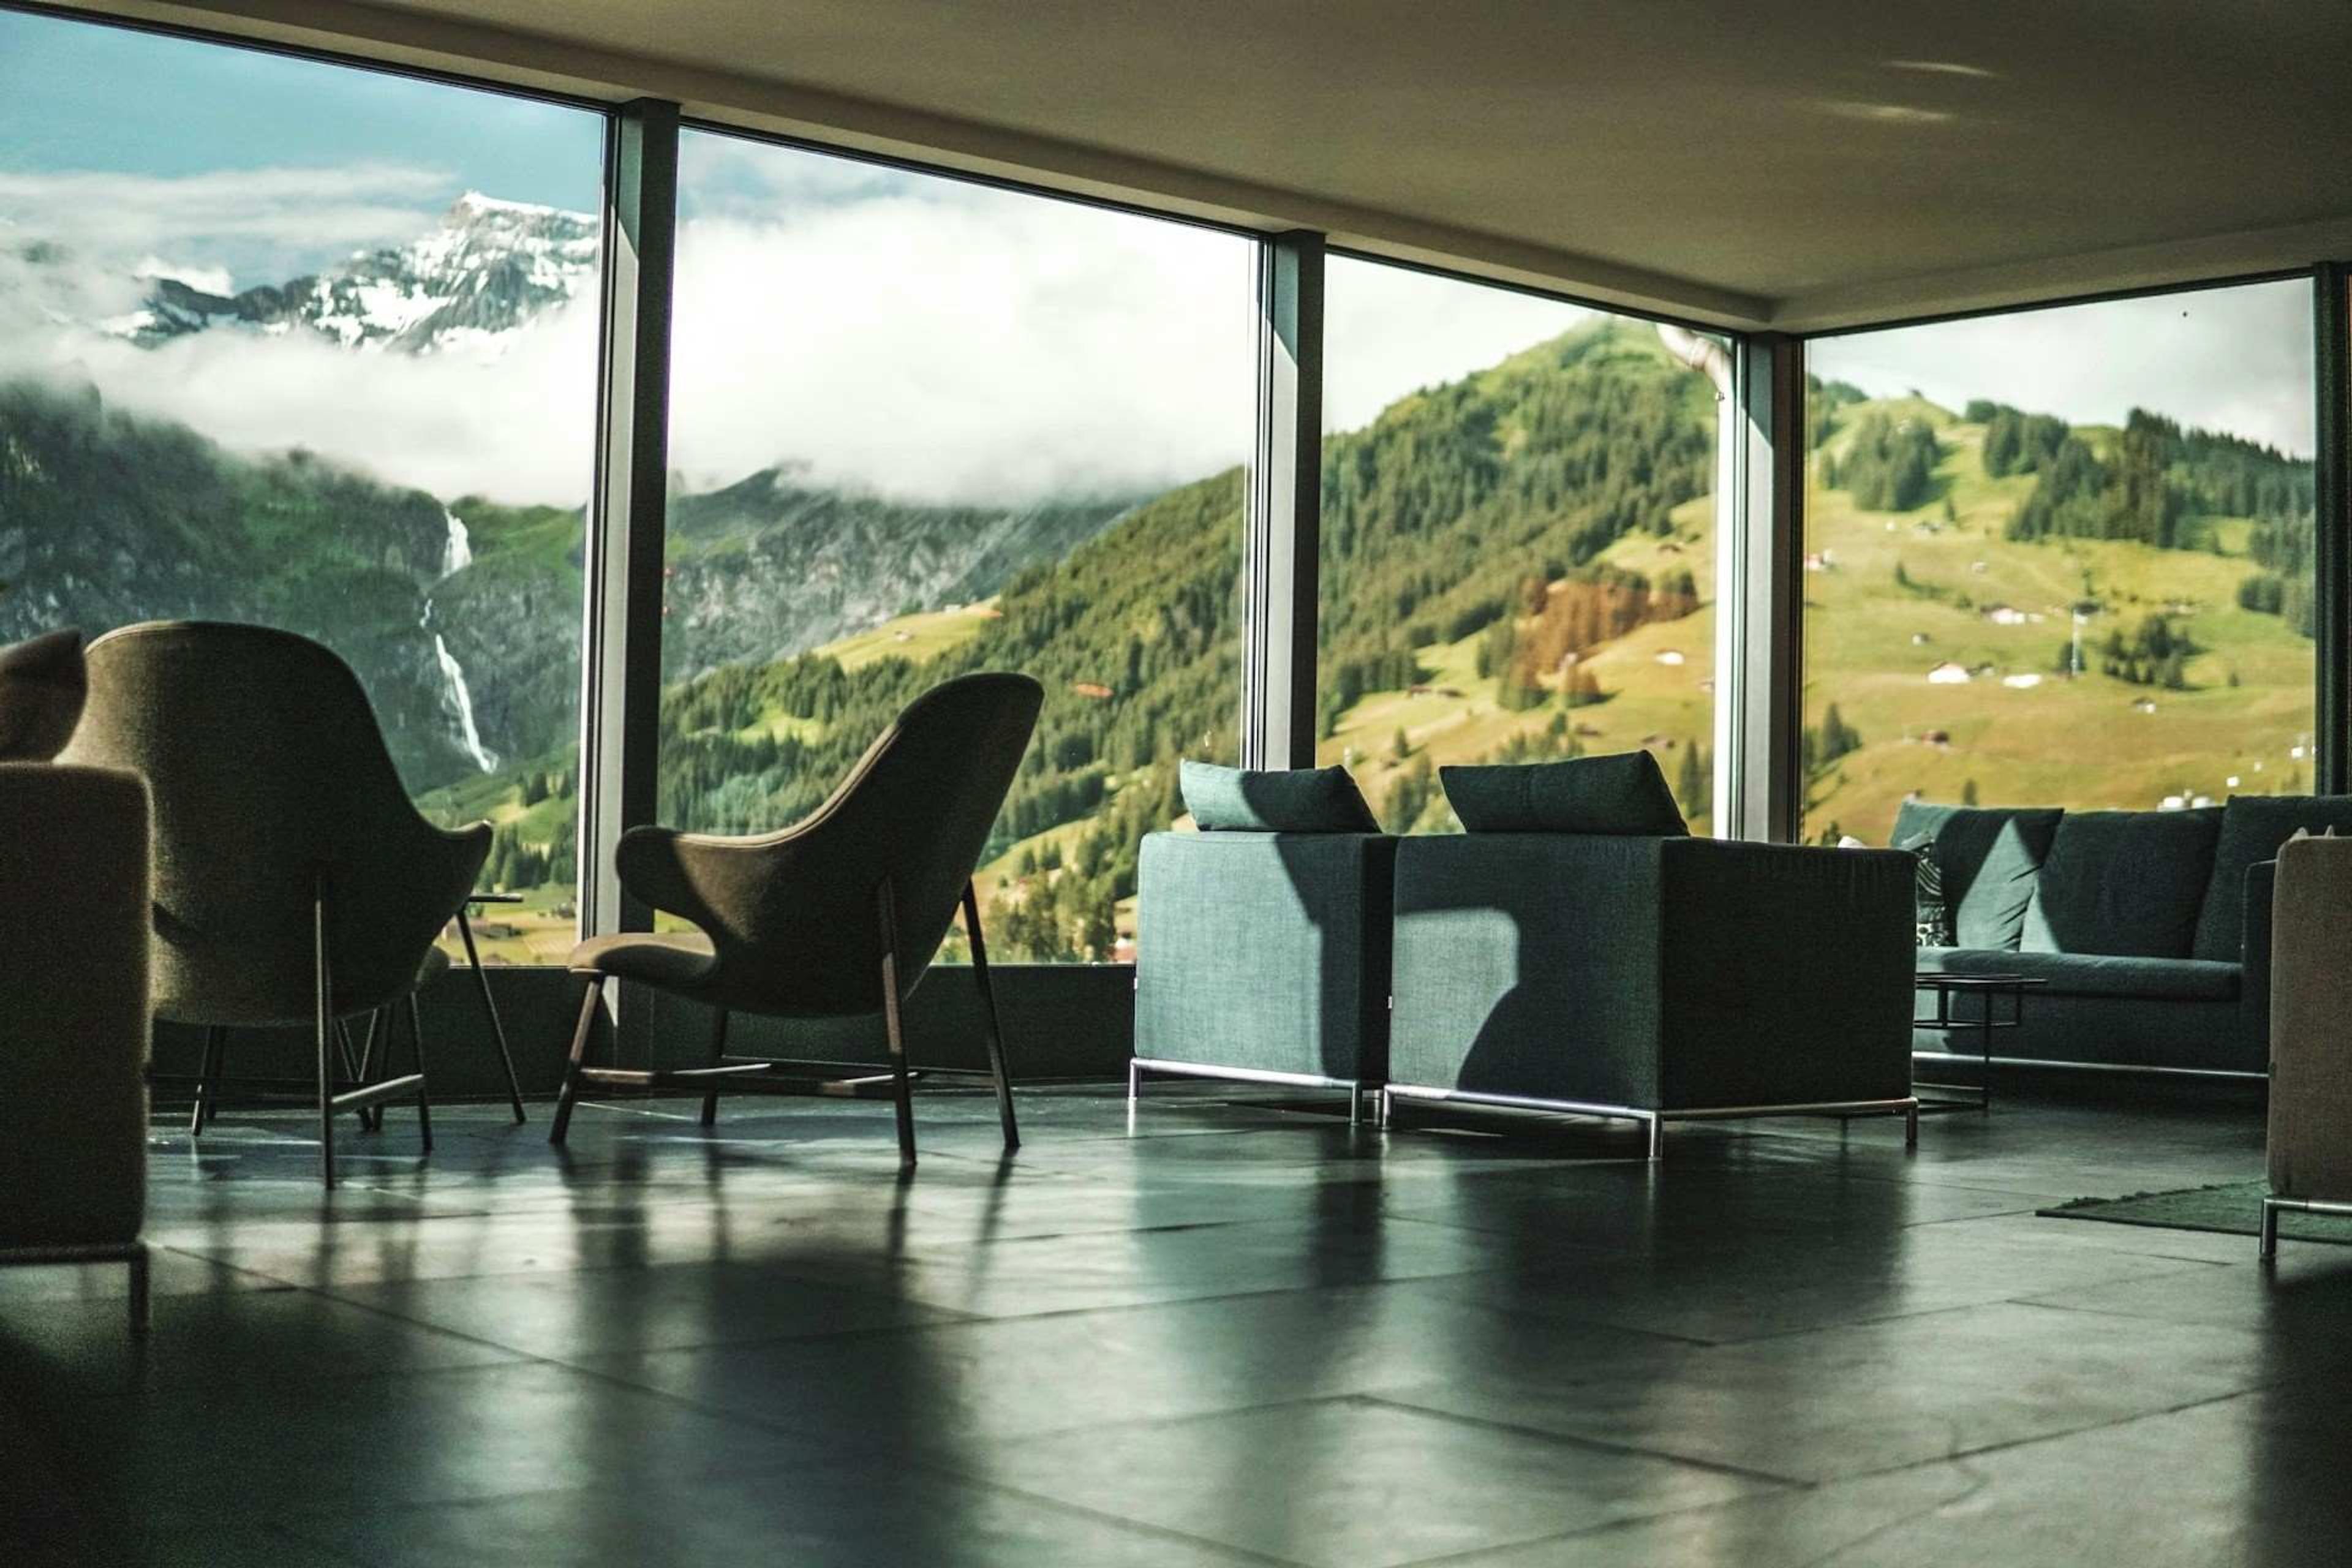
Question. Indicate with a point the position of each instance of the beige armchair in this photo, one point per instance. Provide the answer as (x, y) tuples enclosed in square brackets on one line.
[(837, 916), (2311, 1034), (73, 1018)]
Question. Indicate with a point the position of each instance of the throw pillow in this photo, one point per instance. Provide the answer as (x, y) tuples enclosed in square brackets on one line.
[(1624, 793), (42, 685), (1300, 800), (1931, 915)]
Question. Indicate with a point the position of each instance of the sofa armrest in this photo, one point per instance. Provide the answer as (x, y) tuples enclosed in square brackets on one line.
[(1266, 950), (2254, 957), (1788, 974), (2311, 1021), (74, 1009)]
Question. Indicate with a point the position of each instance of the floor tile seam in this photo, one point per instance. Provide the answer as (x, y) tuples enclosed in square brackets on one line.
[(2041, 1304), (1389, 1399), (1877, 1319), (1963, 1456), (1099, 1516)]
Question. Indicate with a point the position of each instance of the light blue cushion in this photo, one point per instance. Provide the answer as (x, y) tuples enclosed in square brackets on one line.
[(1299, 799)]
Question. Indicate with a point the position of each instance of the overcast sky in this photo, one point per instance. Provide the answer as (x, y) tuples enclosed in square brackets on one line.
[(927, 337), (2238, 360)]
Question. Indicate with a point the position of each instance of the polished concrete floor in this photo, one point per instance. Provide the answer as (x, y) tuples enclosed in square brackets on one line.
[(1216, 1334)]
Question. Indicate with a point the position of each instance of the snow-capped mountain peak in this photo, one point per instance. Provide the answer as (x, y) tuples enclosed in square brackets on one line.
[(489, 268)]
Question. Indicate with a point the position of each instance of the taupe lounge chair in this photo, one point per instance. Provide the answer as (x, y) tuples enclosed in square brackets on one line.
[(837, 916), (73, 983), (2311, 1035), (295, 883)]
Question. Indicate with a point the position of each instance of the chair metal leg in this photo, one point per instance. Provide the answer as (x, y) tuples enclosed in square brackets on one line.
[(996, 1064), (216, 1048), (141, 1313), (1911, 1126), (489, 1006), (718, 1055), (326, 1027), (903, 1091), (2267, 1248), (1355, 1104), (358, 1062), (571, 1091), (1134, 1081), (417, 1047), (1657, 1138)]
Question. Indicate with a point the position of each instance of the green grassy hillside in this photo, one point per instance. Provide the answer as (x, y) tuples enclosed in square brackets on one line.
[(1890, 594)]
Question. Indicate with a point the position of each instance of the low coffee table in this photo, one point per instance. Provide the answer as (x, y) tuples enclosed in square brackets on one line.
[(1987, 989)]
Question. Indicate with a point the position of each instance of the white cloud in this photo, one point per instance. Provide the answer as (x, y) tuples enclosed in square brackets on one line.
[(1388, 331), (518, 427), (959, 342), (2237, 360), (241, 218)]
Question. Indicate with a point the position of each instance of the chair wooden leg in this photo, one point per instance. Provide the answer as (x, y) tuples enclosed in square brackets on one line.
[(215, 1049), (903, 1089), (490, 1005), (996, 1064), (325, 1028), (571, 1091), (416, 1047), (717, 1054)]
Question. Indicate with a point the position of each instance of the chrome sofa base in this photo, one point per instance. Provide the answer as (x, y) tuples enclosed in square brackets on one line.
[(1356, 1089), (2273, 1206), (1655, 1121)]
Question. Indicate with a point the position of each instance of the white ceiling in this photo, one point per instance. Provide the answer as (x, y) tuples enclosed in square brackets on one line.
[(1806, 164)]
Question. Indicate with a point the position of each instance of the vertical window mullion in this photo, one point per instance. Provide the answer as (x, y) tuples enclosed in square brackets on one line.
[(622, 664), (2332, 542), (1283, 525)]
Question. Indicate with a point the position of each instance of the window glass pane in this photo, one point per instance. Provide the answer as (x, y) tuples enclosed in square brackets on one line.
[(921, 427), (1518, 539), (313, 347), (2062, 558)]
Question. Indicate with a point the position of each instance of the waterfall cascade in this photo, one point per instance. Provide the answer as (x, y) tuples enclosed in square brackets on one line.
[(457, 554)]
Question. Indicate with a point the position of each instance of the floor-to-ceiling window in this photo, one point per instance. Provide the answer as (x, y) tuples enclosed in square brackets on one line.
[(920, 427), (1518, 539), (2061, 557), (313, 347)]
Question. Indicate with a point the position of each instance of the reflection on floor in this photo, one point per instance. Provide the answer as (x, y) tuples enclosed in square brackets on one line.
[(1226, 1334)]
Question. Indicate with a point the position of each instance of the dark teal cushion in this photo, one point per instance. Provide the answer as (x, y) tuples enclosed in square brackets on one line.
[(2129, 882), (1987, 857), (1623, 794), (2253, 828), (2088, 975), (1300, 800)]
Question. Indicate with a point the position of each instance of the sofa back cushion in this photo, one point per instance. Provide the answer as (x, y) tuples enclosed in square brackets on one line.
[(1987, 857), (2125, 882), (1295, 800), (1622, 794), (2253, 828)]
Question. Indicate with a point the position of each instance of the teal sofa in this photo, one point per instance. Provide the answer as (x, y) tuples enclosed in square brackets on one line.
[(1264, 957), (1650, 977), (2151, 930)]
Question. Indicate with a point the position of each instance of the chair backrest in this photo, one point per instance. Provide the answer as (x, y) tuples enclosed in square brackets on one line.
[(793, 914), (270, 781)]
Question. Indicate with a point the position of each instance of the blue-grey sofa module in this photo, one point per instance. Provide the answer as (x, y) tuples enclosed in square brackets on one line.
[(1654, 978), (1262, 942), (2150, 929)]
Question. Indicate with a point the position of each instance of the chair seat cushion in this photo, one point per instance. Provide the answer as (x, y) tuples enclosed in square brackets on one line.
[(677, 961), (2095, 974)]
